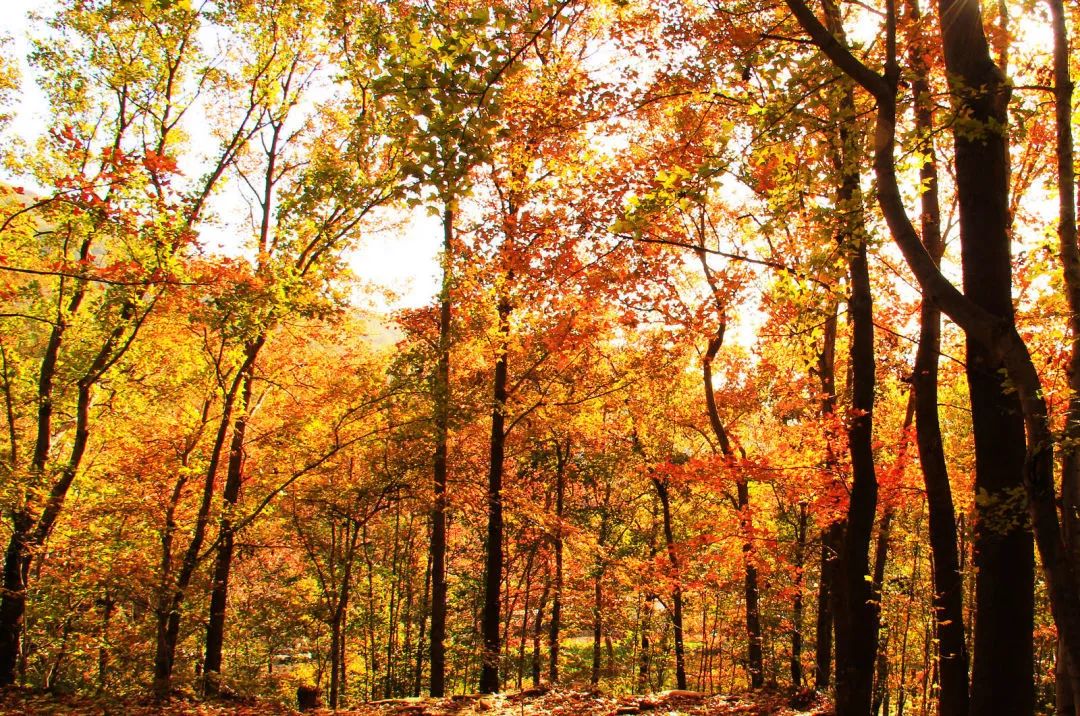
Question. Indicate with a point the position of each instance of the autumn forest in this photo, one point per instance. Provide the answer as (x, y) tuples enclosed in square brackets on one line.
[(749, 361)]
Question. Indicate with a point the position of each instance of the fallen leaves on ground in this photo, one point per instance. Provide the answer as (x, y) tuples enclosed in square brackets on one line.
[(530, 702)]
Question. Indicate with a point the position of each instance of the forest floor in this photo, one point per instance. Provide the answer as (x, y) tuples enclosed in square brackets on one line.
[(525, 703)]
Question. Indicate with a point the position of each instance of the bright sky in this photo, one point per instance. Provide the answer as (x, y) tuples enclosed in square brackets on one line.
[(399, 264)]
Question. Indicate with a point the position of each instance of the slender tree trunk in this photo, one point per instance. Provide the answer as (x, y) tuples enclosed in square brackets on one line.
[(489, 672), (832, 536), (676, 597), (1068, 694), (597, 632), (947, 576), (556, 601), (538, 630), (644, 660), (234, 476), (797, 599), (418, 674), (755, 659), (881, 554), (439, 467), (172, 597), (856, 611)]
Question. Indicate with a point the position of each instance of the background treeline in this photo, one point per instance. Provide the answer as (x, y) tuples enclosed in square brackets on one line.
[(677, 414)]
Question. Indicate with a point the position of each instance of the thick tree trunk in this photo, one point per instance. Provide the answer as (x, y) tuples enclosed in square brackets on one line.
[(1002, 672), (969, 64), (489, 671), (439, 467)]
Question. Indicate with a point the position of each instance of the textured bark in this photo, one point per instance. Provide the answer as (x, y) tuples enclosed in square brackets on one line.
[(857, 612), (754, 656), (489, 670), (676, 593), (1068, 690), (439, 467), (555, 623), (947, 576), (968, 60), (234, 475)]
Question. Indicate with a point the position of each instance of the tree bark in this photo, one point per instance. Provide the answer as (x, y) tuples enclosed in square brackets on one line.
[(439, 466), (489, 671), (1068, 694), (968, 60), (556, 601), (832, 535), (947, 576), (234, 475), (676, 596), (856, 613)]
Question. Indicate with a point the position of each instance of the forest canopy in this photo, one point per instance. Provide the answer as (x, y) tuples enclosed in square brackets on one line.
[(749, 359)]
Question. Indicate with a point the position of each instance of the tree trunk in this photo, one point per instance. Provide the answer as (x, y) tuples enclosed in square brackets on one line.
[(676, 597), (439, 466), (489, 672), (797, 599), (219, 591), (538, 630), (755, 659), (856, 611), (597, 632), (947, 576), (1002, 672), (1068, 695), (556, 601)]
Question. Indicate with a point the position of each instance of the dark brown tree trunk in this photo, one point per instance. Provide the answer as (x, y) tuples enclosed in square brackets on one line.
[(755, 658), (797, 599), (425, 609), (439, 467), (234, 475), (831, 539), (1068, 698), (881, 554), (538, 630), (832, 535), (556, 601), (981, 96), (27, 532), (947, 577), (489, 672), (171, 597), (597, 632), (676, 597), (644, 654), (1002, 671), (856, 611)]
